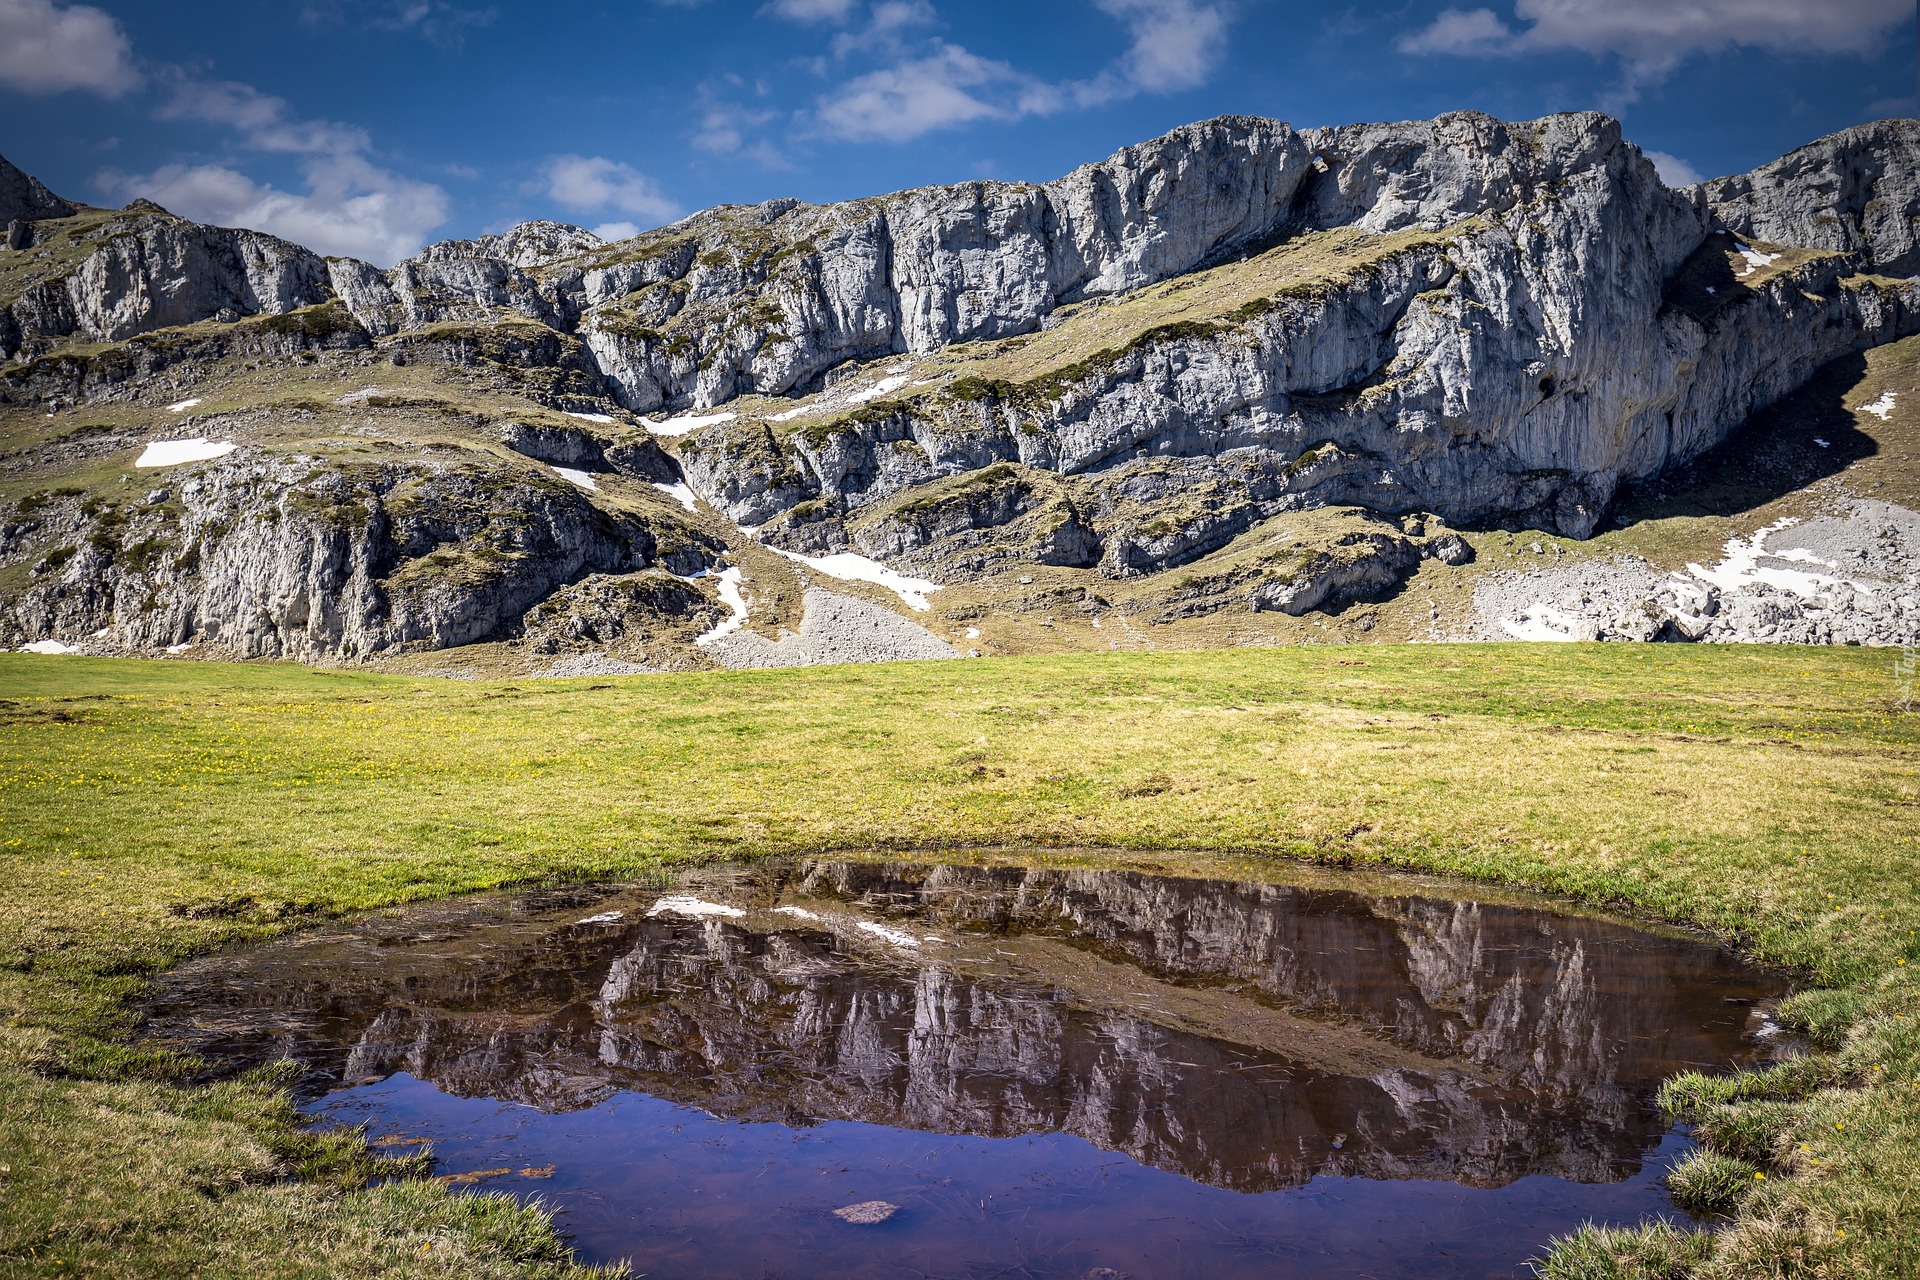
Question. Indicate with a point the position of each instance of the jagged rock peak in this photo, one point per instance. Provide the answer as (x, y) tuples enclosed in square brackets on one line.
[(24, 198), (529, 244)]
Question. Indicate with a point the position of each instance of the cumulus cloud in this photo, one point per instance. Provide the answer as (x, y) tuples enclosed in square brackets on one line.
[(611, 231), (1175, 45), (592, 184), (351, 208), (949, 87), (1652, 37), (1674, 171), (47, 49)]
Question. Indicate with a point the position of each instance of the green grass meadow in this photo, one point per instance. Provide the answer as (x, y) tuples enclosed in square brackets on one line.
[(152, 810)]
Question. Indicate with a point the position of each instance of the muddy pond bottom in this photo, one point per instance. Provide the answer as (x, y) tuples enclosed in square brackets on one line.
[(886, 1069)]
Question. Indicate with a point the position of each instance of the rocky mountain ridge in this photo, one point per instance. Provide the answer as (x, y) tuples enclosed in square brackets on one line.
[(1190, 356)]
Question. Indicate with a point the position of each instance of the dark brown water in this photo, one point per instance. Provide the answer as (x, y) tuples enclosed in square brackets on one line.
[(1049, 1072)]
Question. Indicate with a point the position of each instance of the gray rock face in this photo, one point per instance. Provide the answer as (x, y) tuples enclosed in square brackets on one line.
[(1516, 363), (528, 244), (1856, 191), (154, 271), (23, 198), (262, 557), (1126, 369)]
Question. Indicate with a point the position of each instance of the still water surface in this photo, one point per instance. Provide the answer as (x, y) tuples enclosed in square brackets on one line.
[(1045, 1071)]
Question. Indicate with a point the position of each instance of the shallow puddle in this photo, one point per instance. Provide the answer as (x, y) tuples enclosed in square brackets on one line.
[(1033, 1070)]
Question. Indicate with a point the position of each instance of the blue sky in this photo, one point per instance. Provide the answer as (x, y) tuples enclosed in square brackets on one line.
[(370, 127)]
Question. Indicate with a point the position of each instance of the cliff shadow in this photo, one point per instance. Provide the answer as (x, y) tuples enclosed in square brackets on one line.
[(1795, 442)]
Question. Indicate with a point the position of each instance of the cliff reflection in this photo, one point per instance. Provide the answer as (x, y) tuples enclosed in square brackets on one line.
[(1246, 1035)]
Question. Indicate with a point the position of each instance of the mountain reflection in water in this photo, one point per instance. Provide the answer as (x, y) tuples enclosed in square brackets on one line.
[(1246, 1036)]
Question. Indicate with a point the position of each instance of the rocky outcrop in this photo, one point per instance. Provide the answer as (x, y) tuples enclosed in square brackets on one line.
[(263, 556), (1855, 192), (23, 198)]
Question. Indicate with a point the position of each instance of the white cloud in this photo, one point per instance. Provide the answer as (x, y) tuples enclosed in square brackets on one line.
[(950, 87), (1654, 36), (1461, 32), (1175, 45), (351, 208), (260, 119), (45, 49), (1175, 42), (592, 183), (1674, 171), (611, 231), (812, 10), (723, 127)]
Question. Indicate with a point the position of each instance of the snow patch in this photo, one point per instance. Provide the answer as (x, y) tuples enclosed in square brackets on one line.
[(1822, 443), (798, 913), (50, 647), (897, 937), (605, 917), (973, 633), (1755, 258), (676, 904), (729, 595), (680, 494), (355, 397), (1741, 566), (686, 422), (171, 453), (579, 478), (183, 405), (589, 417), (178, 648), (883, 387), (858, 568), (1881, 408)]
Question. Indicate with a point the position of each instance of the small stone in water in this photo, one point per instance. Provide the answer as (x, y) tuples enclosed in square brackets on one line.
[(867, 1212)]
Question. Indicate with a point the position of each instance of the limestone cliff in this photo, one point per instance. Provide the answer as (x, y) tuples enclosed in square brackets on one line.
[(1158, 360)]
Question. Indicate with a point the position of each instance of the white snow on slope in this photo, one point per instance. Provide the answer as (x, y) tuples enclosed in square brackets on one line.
[(685, 422), (171, 453), (182, 406), (858, 568), (895, 936), (51, 647), (580, 478), (1741, 566), (730, 595), (680, 494), (588, 417), (1755, 258), (1881, 408), (885, 386), (798, 913), (677, 904)]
